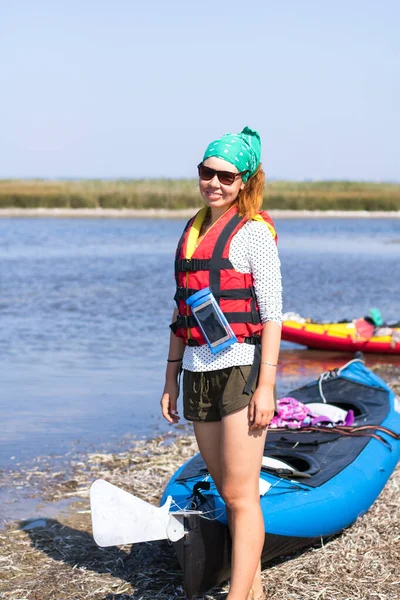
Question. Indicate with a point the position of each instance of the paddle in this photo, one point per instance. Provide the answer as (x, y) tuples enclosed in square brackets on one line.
[(120, 518)]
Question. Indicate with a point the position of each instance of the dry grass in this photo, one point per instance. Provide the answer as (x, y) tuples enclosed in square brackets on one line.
[(60, 561), (175, 194)]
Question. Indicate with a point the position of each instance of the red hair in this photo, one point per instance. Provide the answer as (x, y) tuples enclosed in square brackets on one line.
[(250, 198)]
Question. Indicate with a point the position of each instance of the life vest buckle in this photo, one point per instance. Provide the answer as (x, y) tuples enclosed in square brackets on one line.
[(183, 321)]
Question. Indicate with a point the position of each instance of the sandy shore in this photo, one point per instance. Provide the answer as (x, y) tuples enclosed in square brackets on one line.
[(155, 213), (55, 557)]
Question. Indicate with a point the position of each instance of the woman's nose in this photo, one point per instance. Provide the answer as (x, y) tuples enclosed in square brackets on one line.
[(214, 182)]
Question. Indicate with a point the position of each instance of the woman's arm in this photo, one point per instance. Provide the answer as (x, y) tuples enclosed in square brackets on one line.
[(270, 344), (262, 405), (171, 389), (265, 267)]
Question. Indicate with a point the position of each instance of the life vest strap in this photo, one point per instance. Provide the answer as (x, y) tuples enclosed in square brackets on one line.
[(183, 265), (254, 371), (253, 340), (188, 321), (183, 293)]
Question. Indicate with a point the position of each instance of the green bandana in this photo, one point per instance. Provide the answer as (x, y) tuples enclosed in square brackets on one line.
[(240, 149)]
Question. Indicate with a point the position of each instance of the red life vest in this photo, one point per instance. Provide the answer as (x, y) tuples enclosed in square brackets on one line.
[(208, 265)]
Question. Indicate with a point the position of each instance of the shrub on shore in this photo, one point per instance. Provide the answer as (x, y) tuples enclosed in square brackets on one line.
[(175, 194)]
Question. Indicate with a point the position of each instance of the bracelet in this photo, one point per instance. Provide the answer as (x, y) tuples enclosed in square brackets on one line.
[(268, 363), (174, 359)]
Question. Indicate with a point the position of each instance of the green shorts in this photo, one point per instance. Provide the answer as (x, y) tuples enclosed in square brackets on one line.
[(211, 395)]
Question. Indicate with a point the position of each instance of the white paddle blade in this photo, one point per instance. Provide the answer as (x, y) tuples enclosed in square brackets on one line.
[(120, 518)]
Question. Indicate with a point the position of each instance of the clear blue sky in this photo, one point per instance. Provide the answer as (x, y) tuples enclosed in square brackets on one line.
[(127, 88)]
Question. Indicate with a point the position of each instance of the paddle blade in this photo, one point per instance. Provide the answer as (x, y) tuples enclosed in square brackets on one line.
[(120, 518)]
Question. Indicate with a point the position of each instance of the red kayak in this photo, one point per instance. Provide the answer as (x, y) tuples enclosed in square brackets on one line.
[(347, 336)]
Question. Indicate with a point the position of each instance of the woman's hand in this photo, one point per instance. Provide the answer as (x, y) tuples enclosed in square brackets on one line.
[(261, 408), (168, 402)]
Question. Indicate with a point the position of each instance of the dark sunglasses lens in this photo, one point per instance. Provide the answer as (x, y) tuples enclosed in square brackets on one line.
[(226, 178), (206, 173)]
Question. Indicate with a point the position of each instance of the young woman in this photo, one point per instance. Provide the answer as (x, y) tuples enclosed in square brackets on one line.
[(230, 246)]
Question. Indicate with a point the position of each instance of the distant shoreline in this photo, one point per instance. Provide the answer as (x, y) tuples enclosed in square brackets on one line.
[(147, 196), (160, 213)]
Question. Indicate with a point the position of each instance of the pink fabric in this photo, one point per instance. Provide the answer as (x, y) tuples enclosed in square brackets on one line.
[(294, 415)]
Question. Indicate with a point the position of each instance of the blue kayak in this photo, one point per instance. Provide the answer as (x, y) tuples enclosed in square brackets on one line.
[(314, 482)]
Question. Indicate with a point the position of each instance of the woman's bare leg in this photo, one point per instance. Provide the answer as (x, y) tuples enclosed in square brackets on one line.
[(209, 439), (241, 454)]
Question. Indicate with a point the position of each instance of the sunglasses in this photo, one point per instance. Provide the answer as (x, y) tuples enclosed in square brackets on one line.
[(224, 177)]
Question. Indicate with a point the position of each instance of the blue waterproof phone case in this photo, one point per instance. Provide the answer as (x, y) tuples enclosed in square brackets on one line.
[(211, 320)]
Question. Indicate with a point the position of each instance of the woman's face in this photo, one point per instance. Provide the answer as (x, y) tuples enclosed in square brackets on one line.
[(214, 193)]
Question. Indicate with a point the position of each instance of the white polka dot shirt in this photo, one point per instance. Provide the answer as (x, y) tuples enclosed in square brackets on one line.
[(252, 250)]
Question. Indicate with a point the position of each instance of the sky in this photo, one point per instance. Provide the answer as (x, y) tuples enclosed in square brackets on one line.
[(132, 89)]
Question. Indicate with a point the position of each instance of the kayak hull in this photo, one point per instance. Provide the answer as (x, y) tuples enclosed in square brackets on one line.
[(336, 336)]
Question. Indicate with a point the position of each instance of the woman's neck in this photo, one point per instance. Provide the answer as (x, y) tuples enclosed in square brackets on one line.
[(217, 212)]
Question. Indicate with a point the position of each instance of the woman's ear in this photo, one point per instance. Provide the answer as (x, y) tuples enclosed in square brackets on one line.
[(242, 185)]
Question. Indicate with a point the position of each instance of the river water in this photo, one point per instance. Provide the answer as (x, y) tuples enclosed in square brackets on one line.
[(85, 306)]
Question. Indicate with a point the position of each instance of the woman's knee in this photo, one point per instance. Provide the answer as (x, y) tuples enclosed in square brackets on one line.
[(237, 498)]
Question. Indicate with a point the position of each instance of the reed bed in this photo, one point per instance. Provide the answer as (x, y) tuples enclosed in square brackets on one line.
[(57, 559), (180, 194)]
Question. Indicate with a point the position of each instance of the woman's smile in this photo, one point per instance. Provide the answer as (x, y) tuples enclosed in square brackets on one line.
[(213, 194)]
